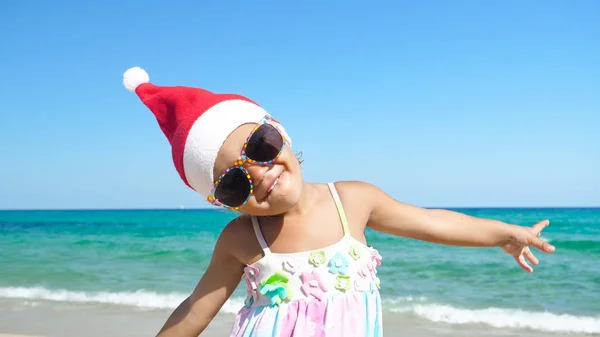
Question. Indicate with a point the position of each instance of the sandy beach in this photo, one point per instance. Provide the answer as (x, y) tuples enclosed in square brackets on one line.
[(56, 319), (44, 319)]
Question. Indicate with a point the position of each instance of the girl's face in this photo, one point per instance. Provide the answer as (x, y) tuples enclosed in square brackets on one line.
[(277, 186)]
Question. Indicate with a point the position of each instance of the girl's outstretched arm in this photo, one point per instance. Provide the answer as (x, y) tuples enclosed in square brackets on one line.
[(390, 216), (217, 284)]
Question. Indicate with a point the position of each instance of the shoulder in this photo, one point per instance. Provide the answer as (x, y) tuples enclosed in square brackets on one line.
[(354, 186), (239, 225), (358, 199), (360, 192), (238, 240), (367, 196)]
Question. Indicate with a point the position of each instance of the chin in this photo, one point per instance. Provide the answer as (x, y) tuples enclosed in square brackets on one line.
[(282, 205), (277, 205)]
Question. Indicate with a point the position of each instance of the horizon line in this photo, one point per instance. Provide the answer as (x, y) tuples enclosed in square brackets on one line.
[(226, 210)]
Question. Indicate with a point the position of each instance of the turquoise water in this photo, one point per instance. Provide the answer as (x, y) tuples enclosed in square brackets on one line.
[(153, 259)]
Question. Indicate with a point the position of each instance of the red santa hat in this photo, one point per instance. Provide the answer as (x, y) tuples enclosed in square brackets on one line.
[(196, 122)]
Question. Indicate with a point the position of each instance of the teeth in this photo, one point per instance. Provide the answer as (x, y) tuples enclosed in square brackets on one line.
[(273, 186)]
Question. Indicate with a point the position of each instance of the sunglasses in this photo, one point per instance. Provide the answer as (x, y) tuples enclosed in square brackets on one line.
[(234, 187)]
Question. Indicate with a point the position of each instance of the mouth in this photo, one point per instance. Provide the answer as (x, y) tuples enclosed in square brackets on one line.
[(272, 187)]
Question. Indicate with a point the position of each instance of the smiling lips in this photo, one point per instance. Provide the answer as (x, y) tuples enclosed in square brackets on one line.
[(271, 185)]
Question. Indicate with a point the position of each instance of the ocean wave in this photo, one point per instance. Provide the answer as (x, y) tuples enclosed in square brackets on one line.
[(140, 298), (419, 306), (504, 318)]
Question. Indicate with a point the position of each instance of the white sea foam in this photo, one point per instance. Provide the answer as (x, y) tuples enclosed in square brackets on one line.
[(418, 306), (504, 318)]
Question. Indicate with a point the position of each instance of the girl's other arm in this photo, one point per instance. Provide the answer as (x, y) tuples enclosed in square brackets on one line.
[(217, 284), (390, 216)]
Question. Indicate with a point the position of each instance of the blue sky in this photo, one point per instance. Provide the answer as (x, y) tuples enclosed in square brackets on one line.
[(441, 103)]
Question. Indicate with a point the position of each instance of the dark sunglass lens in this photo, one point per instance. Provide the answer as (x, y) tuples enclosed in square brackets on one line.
[(264, 144), (233, 189)]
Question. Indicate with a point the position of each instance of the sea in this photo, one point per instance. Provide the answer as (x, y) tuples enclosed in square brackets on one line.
[(152, 259)]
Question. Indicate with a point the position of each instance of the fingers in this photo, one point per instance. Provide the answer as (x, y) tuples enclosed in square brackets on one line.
[(521, 261), (541, 245), (529, 255), (537, 228), (536, 241)]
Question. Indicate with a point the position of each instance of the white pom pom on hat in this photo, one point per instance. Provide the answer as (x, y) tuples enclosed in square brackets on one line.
[(133, 77)]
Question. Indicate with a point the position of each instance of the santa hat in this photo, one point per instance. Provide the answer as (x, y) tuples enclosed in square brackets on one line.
[(196, 122)]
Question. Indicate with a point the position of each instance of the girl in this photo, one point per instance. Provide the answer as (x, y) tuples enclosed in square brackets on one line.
[(299, 246)]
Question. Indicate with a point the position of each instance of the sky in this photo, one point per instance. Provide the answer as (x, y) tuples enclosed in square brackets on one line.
[(439, 103)]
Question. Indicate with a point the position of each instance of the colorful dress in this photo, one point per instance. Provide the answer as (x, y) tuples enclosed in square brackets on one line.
[(332, 291)]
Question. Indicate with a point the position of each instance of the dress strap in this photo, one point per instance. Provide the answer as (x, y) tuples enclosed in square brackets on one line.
[(340, 208), (259, 235)]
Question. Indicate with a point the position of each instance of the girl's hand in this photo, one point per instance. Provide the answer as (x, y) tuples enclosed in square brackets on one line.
[(520, 241)]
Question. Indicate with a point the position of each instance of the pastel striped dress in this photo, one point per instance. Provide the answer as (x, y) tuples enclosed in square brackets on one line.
[(332, 291)]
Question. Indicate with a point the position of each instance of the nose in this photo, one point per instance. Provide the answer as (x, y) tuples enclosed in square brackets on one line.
[(257, 172)]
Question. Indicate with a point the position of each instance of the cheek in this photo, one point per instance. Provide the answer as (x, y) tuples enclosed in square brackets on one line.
[(288, 157)]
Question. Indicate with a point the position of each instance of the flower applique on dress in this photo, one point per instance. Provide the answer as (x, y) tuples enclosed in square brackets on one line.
[(375, 262), (355, 251), (364, 270), (375, 256), (366, 274), (342, 282), (290, 265), (251, 274), (338, 264), (276, 288), (317, 258), (313, 285)]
